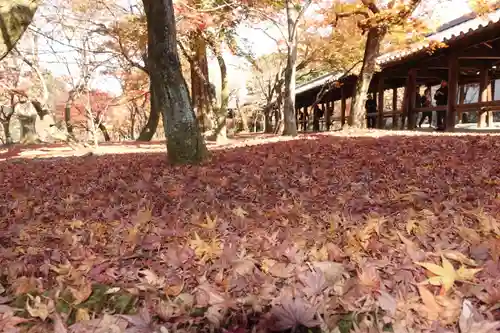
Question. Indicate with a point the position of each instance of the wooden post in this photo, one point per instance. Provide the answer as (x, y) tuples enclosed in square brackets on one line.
[(315, 118), (451, 111), (394, 108), (411, 98), (461, 100), (343, 105), (483, 95), (489, 115), (380, 102), (328, 114)]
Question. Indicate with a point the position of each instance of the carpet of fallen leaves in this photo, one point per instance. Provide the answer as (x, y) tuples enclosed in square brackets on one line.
[(325, 234)]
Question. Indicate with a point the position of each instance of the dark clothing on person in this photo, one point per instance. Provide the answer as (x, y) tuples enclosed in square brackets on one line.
[(441, 98), (425, 103), (418, 101), (371, 107), (318, 113)]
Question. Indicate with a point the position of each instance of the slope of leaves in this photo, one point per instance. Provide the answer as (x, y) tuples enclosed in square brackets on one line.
[(327, 234)]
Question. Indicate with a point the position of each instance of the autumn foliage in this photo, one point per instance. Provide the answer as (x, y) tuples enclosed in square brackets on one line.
[(360, 234)]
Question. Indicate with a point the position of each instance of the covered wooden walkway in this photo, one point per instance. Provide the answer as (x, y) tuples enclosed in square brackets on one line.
[(471, 57)]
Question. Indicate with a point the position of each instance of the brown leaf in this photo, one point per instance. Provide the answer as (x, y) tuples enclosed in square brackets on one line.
[(387, 303), (294, 312), (105, 324), (314, 282), (82, 292), (432, 307), (331, 270)]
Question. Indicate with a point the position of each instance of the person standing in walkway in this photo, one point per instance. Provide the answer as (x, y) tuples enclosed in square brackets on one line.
[(371, 111), (426, 103), (441, 98)]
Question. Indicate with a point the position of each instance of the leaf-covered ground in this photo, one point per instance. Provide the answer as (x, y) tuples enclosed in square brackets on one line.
[(322, 234)]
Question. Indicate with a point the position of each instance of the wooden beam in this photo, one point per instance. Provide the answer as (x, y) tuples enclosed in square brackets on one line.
[(483, 95), (329, 112), (461, 100), (394, 108), (412, 121), (451, 112), (489, 114), (380, 102), (480, 58), (343, 105)]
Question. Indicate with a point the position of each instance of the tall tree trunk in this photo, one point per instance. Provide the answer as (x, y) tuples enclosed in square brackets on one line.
[(268, 124), (67, 117), (185, 143), (149, 129), (103, 130), (289, 121), (15, 17), (200, 84), (357, 118), (6, 131), (221, 115), (244, 120)]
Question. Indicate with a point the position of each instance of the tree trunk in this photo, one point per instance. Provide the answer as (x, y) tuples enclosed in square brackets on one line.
[(103, 130), (244, 120), (185, 143), (28, 129), (67, 117), (357, 117), (268, 126), (149, 129), (15, 17), (200, 85), (221, 116), (6, 131), (132, 122), (289, 121)]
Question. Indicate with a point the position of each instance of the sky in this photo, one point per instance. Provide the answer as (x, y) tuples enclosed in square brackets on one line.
[(238, 70)]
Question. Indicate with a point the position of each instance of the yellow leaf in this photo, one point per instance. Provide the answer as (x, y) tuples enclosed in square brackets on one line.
[(38, 308), (76, 224), (205, 251), (459, 257), (318, 255), (240, 212), (267, 264), (469, 235), (82, 315), (467, 274), (410, 225), (211, 224), (445, 274), (174, 290)]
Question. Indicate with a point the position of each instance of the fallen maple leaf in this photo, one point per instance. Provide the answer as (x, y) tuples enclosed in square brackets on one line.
[(205, 250), (210, 224), (387, 303), (105, 324), (37, 308), (313, 281), (293, 312), (446, 275)]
